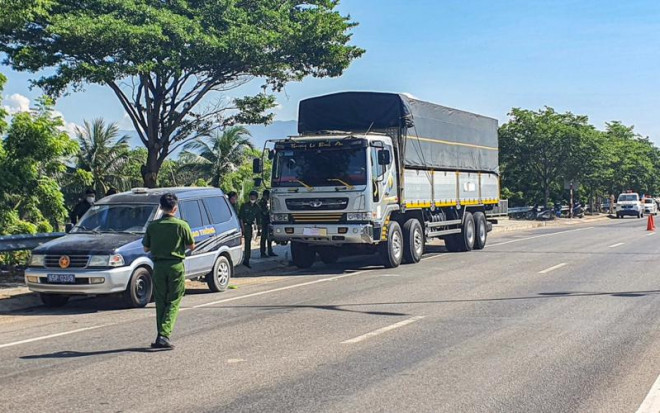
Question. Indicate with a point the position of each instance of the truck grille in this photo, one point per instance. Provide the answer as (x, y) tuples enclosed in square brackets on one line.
[(316, 204), (75, 261), (317, 218)]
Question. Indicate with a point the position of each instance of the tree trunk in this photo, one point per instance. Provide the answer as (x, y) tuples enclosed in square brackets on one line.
[(150, 169)]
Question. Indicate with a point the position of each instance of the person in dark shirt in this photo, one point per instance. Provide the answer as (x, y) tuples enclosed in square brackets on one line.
[(167, 239), (111, 191), (266, 239), (233, 200), (249, 215), (81, 207)]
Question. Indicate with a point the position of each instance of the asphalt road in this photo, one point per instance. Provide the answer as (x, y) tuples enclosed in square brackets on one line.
[(550, 320)]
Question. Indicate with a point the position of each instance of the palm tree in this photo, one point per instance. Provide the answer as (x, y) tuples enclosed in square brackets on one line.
[(214, 158), (103, 153)]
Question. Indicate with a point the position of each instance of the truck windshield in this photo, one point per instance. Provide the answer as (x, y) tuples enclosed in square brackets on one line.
[(329, 167), (131, 218)]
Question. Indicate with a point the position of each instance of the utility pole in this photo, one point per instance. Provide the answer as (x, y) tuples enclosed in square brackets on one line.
[(570, 208)]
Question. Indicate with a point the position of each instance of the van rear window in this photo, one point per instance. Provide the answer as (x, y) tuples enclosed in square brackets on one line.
[(218, 209), (191, 213)]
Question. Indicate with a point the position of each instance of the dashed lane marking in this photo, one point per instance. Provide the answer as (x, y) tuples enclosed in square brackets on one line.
[(616, 245), (651, 403), (383, 330), (65, 333), (556, 267)]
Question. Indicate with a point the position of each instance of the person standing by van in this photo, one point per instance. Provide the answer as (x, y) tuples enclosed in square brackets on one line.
[(233, 201), (264, 205), (167, 239), (81, 207), (249, 215)]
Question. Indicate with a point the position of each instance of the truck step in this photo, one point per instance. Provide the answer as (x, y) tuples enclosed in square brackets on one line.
[(443, 223), (433, 234)]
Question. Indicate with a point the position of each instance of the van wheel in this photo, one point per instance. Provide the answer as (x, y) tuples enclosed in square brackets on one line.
[(218, 278), (302, 255), (329, 255), (481, 230), (139, 290), (391, 251), (54, 300), (413, 241)]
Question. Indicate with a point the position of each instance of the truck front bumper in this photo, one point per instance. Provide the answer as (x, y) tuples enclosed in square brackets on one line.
[(331, 234), (114, 280)]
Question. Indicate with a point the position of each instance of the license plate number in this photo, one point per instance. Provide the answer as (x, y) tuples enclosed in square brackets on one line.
[(61, 278), (315, 231)]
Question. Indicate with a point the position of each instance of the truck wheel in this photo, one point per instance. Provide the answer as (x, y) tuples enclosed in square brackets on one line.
[(329, 255), (302, 255), (218, 278), (53, 300), (413, 241), (481, 230), (391, 250), (139, 290), (465, 240)]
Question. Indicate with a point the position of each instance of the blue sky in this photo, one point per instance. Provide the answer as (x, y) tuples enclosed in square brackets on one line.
[(596, 58)]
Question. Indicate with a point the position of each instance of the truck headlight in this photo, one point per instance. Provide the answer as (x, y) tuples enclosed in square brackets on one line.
[(37, 260), (115, 260), (358, 216), (279, 217)]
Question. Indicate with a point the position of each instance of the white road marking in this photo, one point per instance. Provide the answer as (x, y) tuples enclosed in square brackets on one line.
[(66, 333), (616, 245), (389, 275), (651, 403), (538, 236), (288, 287), (547, 270), (383, 330), (234, 361)]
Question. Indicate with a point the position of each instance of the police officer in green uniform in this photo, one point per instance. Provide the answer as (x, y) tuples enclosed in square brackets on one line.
[(264, 204), (167, 239), (249, 214)]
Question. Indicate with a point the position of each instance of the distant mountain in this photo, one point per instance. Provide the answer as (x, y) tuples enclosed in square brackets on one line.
[(260, 133)]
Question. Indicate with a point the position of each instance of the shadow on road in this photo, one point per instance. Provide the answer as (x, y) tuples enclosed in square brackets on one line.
[(75, 354), (548, 295)]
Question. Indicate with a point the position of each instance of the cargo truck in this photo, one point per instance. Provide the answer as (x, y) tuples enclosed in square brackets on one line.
[(382, 173)]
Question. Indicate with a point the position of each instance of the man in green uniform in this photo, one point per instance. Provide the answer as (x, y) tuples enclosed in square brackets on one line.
[(249, 214), (264, 204), (167, 239)]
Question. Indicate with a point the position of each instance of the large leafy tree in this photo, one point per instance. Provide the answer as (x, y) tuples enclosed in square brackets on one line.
[(162, 59), (102, 153), (215, 158), (34, 152)]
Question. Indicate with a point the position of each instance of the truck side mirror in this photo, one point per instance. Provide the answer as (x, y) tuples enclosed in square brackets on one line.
[(257, 166), (257, 182), (384, 157)]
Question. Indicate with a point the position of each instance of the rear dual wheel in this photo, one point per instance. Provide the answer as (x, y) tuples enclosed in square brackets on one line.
[(464, 240), (413, 239)]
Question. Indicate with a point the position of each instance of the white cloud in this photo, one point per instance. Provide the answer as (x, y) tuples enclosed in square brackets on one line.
[(69, 127), (17, 103)]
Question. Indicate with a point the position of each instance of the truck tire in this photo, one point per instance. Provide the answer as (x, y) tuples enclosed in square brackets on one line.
[(53, 300), (391, 251), (139, 290), (218, 278), (413, 241), (329, 255), (302, 255), (465, 240), (481, 230)]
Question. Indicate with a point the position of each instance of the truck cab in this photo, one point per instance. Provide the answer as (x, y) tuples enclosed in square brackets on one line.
[(331, 189)]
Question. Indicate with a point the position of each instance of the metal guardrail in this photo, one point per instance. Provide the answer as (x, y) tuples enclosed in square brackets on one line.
[(10, 243)]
